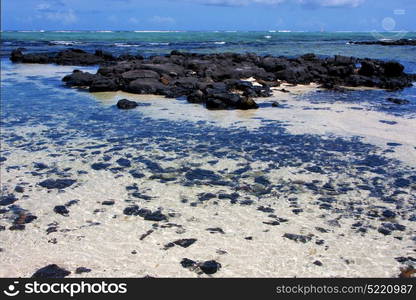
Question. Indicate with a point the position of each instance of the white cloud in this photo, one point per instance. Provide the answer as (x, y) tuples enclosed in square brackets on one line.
[(65, 17), (56, 12), (238, 2), (134, 20), (323, 3), (332, 3), (43, 6), (162, 20)]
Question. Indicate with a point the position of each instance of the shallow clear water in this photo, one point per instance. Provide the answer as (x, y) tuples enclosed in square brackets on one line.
[(322, 160)]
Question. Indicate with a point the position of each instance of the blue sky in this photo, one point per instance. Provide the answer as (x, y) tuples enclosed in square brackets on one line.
[(308, 15)]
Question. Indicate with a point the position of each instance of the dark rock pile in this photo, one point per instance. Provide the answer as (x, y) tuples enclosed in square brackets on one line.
[(219, 80), (74, 57), (400, 42)]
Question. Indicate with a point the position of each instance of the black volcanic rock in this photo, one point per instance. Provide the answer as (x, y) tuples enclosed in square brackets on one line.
[(400, 42), (81, 270), (79, 79), (7, 199), (398, 101), (61, 209), (219, 81), (57, 184), (210, 267), (147, 214), (51, 271), (126, 104), (188, 263), (74, 57), (297, 237)]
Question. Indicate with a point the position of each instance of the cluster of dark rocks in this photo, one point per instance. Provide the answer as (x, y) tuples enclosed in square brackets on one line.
[(219, 80), (70, 57), (400, 42)]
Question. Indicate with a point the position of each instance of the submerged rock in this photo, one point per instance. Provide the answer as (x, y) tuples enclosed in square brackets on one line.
[(100, 166), (398, 101), (147, 214), (297, 237), (7, 199), (57, 184)]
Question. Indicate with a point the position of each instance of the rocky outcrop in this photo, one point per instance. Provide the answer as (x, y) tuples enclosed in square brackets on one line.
[(76, 57), (220, 81), (400, 42)]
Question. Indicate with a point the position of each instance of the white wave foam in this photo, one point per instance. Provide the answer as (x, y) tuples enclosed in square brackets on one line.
[(64, 43)]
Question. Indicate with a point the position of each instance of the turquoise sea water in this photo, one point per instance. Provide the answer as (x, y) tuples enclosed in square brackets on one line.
[(264, 43)]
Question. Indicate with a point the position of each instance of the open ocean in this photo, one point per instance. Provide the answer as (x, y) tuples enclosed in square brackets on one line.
[(265, 43), (328, 176)]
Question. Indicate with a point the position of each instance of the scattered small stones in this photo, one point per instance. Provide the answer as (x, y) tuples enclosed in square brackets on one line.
[(188, 263), (108, 202), (388, 214), (265, 209), (19, 189), (317, 263), (124, 162), (62, 210), (206, 196), (216, 230), (322, 230), (71, 202), (143, 236), (402, 182), (147, 214), (17, 227), (24, 218), (81, 270), (184, 243), (297, 237), (388, 122)]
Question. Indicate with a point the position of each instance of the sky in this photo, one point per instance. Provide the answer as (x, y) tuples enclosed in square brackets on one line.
[(295, 15)]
